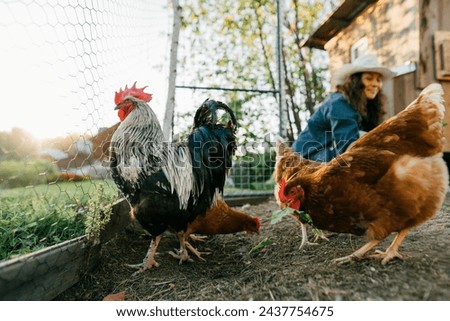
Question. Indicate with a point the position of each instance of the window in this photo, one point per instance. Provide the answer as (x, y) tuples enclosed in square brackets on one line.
[(359, 48)]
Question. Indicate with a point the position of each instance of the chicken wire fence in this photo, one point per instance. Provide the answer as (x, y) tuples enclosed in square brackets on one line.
[(61, 63)]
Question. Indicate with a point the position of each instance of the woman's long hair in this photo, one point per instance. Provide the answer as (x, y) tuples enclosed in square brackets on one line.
[(371, 111)]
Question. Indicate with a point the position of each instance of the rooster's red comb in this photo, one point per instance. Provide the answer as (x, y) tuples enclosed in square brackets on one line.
[(133, 91)]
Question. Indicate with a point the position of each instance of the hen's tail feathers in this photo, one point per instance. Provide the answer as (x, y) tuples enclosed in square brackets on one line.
[(434, 94), (208, 113), (430, 108)]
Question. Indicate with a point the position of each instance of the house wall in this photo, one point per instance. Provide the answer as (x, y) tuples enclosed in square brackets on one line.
[(405, 91), (392, 29), (434, 16), (446, 86), (399, 32)]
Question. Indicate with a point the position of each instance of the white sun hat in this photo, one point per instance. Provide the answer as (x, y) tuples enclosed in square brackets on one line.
[(364, 63)]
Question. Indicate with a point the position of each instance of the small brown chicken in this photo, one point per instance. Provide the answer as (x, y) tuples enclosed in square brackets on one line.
[(390, 180), (219, 219)]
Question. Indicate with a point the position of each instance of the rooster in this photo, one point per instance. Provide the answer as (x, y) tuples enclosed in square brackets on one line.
[(390, 180), (169, 184), (219, 219)]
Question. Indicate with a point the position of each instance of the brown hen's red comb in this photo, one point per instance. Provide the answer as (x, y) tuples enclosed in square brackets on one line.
[(133, 91), (281, 189)]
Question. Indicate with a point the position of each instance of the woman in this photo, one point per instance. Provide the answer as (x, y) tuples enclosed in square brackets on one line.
[(356, 107)]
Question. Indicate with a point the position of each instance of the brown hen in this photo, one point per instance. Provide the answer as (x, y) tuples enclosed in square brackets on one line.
[(220, 218), (390, 180)]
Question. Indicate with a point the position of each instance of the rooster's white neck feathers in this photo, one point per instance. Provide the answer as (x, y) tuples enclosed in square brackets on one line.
[(136, 138)]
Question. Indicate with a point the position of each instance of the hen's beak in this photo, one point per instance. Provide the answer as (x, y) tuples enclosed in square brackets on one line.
[(291, 203), (295, 204), (117, 107)]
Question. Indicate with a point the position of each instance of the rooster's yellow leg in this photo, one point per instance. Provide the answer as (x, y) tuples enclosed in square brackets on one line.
[(358, 254), (392, 251), (182, 254), (149, 260), (196, 252)]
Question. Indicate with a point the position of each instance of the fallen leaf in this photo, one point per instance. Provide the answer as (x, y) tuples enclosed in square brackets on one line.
[(261, 245), (115, 297)]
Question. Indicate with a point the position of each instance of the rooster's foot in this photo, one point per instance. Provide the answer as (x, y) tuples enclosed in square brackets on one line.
[(182, 255), (196, 252), (387, 256), (141, 267)]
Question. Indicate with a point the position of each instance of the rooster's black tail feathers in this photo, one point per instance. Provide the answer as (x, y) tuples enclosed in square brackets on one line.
[(207, 114)]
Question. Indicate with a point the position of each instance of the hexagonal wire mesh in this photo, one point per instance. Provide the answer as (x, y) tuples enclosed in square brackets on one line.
[(61, 62)]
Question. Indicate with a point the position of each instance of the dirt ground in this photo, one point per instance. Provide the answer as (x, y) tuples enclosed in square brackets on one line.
[(279, 271)]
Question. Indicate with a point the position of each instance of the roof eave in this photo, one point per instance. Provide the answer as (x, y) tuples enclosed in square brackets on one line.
[(339, 19)]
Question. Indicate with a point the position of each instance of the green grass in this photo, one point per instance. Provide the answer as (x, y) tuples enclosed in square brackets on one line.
[(32, 218), (35, 217)]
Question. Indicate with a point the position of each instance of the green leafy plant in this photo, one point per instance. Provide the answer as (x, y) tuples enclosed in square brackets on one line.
[(35, 217), (277, 216), (304, 217), (99, 214), (261, 245)]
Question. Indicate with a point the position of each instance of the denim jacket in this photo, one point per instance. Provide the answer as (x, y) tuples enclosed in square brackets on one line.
[(330, 130)]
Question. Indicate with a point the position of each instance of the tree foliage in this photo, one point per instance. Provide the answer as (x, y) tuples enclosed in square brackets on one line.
[(232, 44), (16, 144)]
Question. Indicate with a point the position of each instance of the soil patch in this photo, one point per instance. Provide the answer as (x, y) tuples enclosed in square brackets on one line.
[(279, 271)]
